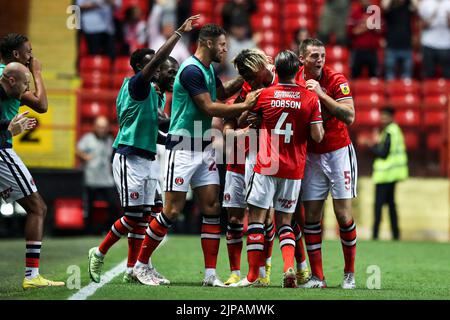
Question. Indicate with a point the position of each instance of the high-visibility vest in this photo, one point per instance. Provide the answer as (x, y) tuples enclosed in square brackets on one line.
[(395, 166)]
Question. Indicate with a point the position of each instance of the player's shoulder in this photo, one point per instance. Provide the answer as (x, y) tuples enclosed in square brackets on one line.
[(332, 76)]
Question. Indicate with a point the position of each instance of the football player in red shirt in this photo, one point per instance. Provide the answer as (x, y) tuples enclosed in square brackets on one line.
[(258, 72), (290, 115), (331, 164)]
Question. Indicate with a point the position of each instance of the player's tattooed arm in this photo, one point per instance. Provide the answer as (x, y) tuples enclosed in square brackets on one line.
[(163, 53), (229, 88), (343, 110), (36, 100)]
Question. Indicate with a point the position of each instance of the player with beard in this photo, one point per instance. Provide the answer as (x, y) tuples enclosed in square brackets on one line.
[(190, 159)]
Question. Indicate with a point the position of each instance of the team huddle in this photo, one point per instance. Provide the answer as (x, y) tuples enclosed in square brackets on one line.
[(290, 148)]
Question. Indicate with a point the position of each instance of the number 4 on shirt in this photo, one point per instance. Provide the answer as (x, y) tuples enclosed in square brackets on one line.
[(288, 132)]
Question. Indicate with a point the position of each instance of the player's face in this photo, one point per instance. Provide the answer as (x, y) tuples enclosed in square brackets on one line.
[(218, 48), (19, 85), (314, 60), (256, 79), (24, 54), (167, 74)]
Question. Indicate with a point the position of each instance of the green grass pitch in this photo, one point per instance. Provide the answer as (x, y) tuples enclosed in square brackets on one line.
[(409, 270)]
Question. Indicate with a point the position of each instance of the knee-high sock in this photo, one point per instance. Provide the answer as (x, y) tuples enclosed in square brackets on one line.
[(348, 240), (155, 233), (268, 242), (255, 249), (32, 256), (287, 246), (121, 227), (313, 239), (210, 239), (135, 239), (300, 255), (234, 245)]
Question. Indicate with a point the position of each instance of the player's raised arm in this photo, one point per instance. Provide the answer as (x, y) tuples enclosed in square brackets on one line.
[(163, 53), (36, 100)]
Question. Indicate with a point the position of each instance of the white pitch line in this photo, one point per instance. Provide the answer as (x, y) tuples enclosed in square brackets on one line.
[(92, 287)]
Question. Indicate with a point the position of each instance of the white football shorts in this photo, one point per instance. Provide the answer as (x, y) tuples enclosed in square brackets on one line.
[(265, 190), (16, 181), (194, 168), (335, 171), (134, 181)]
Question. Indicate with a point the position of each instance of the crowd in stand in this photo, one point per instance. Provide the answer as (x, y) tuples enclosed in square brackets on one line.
[(409, 32)]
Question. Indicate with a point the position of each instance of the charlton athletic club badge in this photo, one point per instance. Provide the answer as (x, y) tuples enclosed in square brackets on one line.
[(134, 195), (179, 181), (227, 197)]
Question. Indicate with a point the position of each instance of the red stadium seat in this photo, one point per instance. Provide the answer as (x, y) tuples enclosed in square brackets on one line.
[(297, 9), (293, 24), (368, 117), (267, 7), (117, 82), (435, 141), (373, 100), (95, 63), (270, 50), (406, 101), (411, 140), (435, 87), (434, 118), (401, 87), (91, 110), (367, 86), (270, 38), (408, 118), (202, 7), (341, 68), (122, 65), (337, 54), (436, 102), (264, 22), (95, 80)]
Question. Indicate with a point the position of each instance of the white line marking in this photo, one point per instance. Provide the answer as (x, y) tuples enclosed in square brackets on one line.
[(92, 287)]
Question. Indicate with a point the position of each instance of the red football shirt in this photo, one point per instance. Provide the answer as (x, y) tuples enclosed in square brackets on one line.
[(288, 110), (236, 166), (336, 135)]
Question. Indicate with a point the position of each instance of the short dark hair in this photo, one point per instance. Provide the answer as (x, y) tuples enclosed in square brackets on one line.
[(211, 30), (138, 55), (11, 42), (287, 64), (309, 42), (389, 110), (172, 60)]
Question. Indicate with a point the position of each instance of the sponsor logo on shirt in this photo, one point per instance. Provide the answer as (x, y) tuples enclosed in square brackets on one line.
[(280, 94), (345, 89)]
